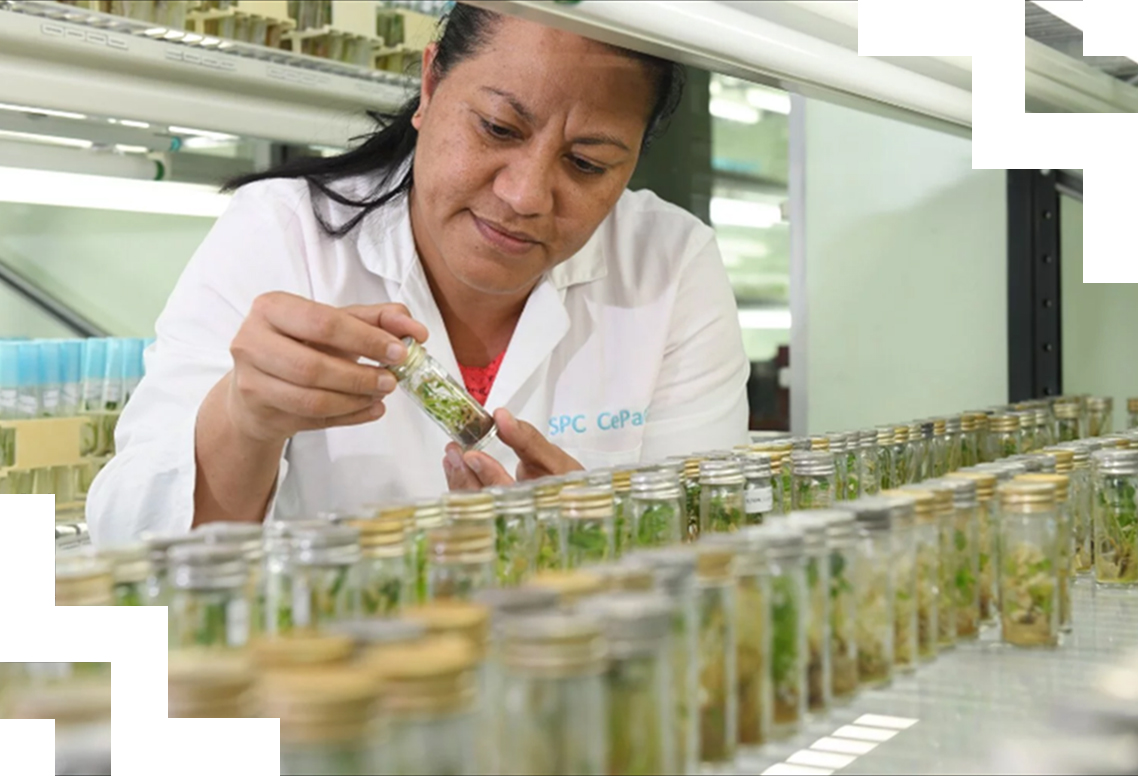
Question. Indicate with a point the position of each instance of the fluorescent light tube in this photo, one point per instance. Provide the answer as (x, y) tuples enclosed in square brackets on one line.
[(202, 133), (733, 111), (773, 102), (32, 137), (739, 212), (63, 114), (65, 189)]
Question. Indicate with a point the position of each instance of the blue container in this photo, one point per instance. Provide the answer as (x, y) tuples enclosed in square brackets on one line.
[(28, 379), (94, 373)]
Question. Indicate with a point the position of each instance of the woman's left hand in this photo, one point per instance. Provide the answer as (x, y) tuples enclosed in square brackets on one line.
[(538, 457)]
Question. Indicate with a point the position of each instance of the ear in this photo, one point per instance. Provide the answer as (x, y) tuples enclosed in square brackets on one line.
[(428, 83)]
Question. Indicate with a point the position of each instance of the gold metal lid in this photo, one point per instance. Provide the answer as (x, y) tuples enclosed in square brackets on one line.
[(924, 502), (1003, 423), (819, 443), (622, 479), (434, 675), (942, 496), (83, 579), (712, 563), (428, 513), (460, 540), (970, 421), (466, 505), (940, 426), (570, 585), (900, 434), (384, 531), (583, 502), (546, 492), (1066, 410), (300, 649), (1060, 481), (554, 644), (204, 681), (1025, 497), (460, 618), (1064, 459), (327, 704), (1132, 405), (985, 483), (691, 468), (1115, 441), (884, 435), (1099, 403), (629, 575)]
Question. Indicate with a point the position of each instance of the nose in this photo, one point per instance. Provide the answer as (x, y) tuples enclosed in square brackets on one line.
[(526, 184)]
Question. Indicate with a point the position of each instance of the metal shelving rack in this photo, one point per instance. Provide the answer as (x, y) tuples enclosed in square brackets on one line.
[(66, 58)]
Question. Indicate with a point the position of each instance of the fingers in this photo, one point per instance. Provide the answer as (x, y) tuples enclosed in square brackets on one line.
[(367, 415), (303, 365), (459, 475), (261, 389), (330, 327), (533, 449), (392, 317), (488, 471)]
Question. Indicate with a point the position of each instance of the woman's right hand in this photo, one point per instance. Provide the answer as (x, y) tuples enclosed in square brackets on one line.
[(295, 365)]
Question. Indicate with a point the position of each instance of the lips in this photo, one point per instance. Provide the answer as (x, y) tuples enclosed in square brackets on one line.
[(516, 235)]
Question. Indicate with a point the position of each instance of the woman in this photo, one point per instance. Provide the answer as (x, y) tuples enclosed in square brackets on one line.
[(488, 219)]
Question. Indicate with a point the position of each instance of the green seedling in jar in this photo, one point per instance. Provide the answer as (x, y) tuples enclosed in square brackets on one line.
[(903, 604), (587, 542), (986, 580), (723, 516), (325, 594), (715, 634), (130, 594), (633, 699), (786, 480), (1028, 598), (885, 467), (420, 564), (459, 414), (843, 660), (875, 629), (1009, 445), (750, 661), (964, 585), (8, 447), (812, 493), (816, 637), (946, 599), (692, 499), (548, 545), (853, 481), (1116, 523), (201, 621), (382, 595), (786, 666), (927, 634), (512, 545), (656, 525)]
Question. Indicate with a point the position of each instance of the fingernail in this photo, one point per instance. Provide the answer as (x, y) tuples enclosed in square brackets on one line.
[(396, 353), (386, 383), (454, 458), (474, 463)]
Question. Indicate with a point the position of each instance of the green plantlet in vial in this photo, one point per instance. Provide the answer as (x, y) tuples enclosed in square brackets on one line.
[(784, 646), (722, 517), (656, 525), (384, 598), (588, 543), (634, 743), (128, 594)]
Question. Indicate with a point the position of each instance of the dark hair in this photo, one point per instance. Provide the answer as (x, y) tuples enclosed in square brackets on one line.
[(465, 30)]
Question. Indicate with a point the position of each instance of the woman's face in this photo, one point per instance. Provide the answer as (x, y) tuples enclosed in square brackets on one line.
[(538, 135)]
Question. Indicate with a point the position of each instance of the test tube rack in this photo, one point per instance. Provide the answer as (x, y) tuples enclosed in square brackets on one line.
[(58, 456)]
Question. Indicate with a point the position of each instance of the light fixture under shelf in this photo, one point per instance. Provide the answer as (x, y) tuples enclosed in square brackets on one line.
[(64, 189)]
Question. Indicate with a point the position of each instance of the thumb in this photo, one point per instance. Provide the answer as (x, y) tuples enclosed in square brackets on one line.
[(532, 449)]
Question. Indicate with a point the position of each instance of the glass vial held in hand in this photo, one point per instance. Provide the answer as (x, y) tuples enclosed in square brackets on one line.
[(443, 398)]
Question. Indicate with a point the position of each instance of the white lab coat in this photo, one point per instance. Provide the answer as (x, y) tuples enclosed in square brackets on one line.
[(629, 351)]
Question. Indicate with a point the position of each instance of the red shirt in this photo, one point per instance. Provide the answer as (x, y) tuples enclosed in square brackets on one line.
[(479, 379)]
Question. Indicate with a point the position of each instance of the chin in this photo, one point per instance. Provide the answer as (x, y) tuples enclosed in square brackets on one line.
[(492, 274)]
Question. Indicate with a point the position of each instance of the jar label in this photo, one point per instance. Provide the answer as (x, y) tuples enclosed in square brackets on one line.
[(758, 500), (237, 622)]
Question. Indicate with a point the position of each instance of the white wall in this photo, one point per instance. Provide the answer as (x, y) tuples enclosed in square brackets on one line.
[(115, 268), (1100, 323), (905, 274)]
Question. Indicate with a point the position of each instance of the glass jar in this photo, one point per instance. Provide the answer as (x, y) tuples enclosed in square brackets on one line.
[(622, 510), (250, 539), (1132, 411), (322, 574), (443, 398), (926, 536), (869, 478), (925, 447), (131, 569), (515, 524), (637, 627), (1100, 416), (819, 681), (82, 713), (553, 710), (721, 496), (330, 721), (873, 585), (1029, 564), (461, 559), (885, 457), (901, 457), (781, 478), (836, 444), (905, 597), (954, 443), (547, 531), (675, 577), (985, 538), (382, 571), (1081, 498), (1027, 437), (209, 603), (1115, 476), (428, 515), (758, 493), (210, 684), (969, 439), (1036, 463), (430, 701), (983, 452), (302, 650), (814, 486), (965, 556), (83, 579), (1043, 434), (945, 513), (789, 612), (718, 696), (157, 585), (586, 525), (1067, 428), (1003, 436), (1063, 517), (657, 508)]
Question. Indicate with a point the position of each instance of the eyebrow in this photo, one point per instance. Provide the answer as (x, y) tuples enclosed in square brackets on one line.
[(599, 138)]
